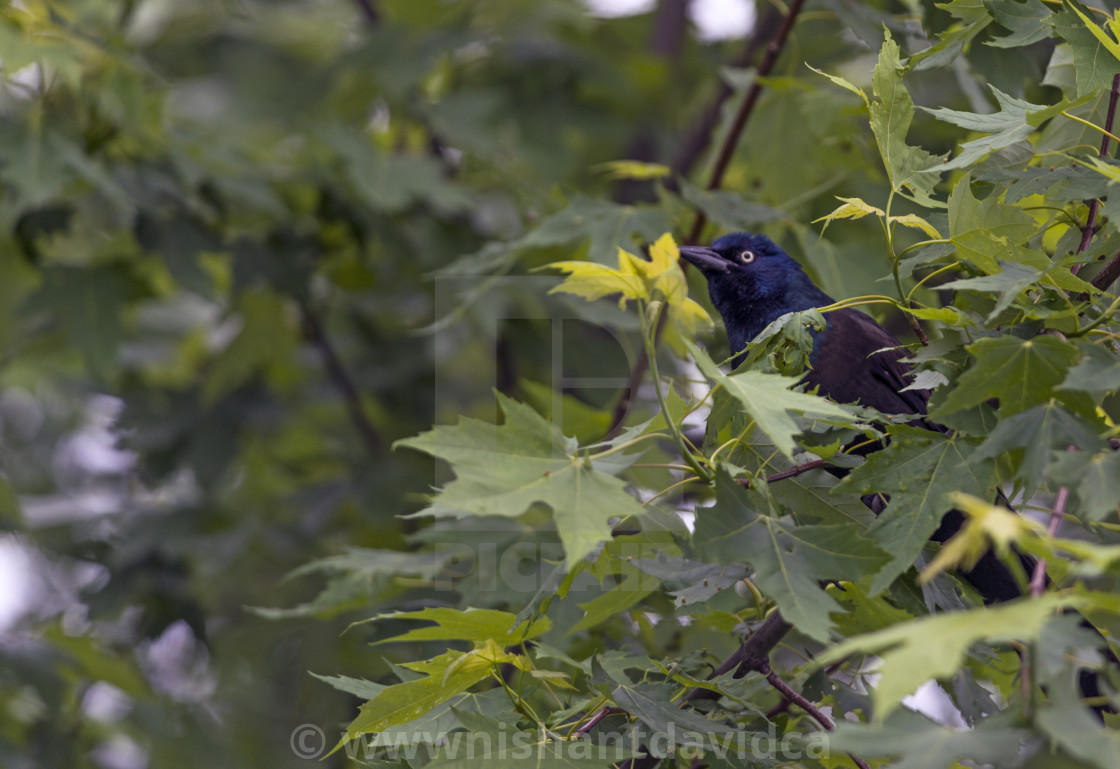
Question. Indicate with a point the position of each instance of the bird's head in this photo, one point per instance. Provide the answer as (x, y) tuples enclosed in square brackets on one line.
[(753, 282)]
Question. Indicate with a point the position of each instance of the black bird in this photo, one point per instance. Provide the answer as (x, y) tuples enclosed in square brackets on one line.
[(753, 282)]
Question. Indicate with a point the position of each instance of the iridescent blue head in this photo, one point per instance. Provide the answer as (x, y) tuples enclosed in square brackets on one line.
[(753, 282)]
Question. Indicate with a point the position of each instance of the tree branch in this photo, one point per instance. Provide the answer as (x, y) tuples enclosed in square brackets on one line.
[(754, 650), (1108, 275), (595, 719), (1090, 227), (1038, 576), (343, 382), (369, 11), (699, 134), (786, 691), (792, 472)]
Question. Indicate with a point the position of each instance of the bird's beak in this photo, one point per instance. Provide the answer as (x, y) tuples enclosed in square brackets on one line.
[(704, 258)]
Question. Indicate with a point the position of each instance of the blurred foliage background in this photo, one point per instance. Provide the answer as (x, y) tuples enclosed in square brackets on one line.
[(248, 244)]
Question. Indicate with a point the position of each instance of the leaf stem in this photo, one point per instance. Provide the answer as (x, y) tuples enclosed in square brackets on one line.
[(922, 244), (933, 274), (1088, 124), (669, 488), (1103, 318), (649, 330)]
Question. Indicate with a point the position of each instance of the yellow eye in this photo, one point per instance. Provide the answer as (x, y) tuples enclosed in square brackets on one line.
[(746, 257)]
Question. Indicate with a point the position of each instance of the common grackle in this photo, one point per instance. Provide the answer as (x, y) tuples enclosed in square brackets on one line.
[(753, 282)]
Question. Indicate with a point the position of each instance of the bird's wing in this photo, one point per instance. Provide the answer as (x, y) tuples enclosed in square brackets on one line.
[(860, 360)]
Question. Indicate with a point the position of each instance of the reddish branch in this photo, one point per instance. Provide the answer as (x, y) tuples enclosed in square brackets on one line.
[(792, 472), (595, 719), (1090, 227), (1108, 275), (754, 650), (784, 689), (1038, 577)]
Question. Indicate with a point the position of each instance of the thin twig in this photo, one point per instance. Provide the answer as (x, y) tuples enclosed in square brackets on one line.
[(755, 648), (342, 380), (595, 719), (786, 691), (1090, 227), (1038, 577), (792, 472)]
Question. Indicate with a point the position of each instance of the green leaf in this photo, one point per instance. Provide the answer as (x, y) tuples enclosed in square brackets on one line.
[(1020, 372), (658, 278), (850, 208), (915, 222), (633, 169), (690, 581), (1104, 38), (1070, 725), (788, 560), (768, 400), (180, 241), (973, 19), (935, 646), (87, 657), (729, 209), (656, 706), (634, 587), (1036, 432), (359, 687), (1012, 280), (1028, 22), (356, 576), (468, 625), (503, 470), (608, 226), (919, 469), (392, 181), (1095, 479), (892, 111), (586, 423), (444, 677), (265, 344), (1094, 67), (1015, 121), (88, 303), (1097, 372), (458, 712), (915, 741), (982, 229)]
